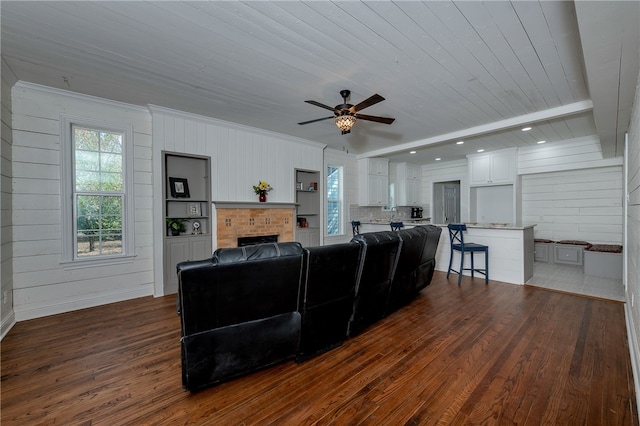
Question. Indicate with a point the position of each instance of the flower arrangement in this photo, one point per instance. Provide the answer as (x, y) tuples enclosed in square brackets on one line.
[(262, 187)]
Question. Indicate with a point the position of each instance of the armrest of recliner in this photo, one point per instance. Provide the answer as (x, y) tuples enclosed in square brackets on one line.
[(184, 266)]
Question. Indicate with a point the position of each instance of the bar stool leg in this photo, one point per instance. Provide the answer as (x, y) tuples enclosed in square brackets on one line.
[(450, 262), (486, 266), (473, 268), (461, 267)]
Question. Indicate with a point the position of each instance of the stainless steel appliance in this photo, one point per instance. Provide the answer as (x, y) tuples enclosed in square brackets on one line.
[(416, 212)]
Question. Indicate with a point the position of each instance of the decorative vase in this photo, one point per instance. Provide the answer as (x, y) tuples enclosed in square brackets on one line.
[(262, 197)]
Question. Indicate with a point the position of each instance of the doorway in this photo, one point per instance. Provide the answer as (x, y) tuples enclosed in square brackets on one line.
[(446, 202)]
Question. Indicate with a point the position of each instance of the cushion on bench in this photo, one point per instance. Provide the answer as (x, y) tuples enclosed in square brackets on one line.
[(605, 248)]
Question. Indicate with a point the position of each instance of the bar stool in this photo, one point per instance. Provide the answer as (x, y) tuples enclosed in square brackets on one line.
[(456, 239), (396, 226), (355, 227)]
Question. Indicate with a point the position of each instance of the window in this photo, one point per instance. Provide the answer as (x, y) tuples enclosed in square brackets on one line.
[(98, 191), (97, 213), (334, 200)]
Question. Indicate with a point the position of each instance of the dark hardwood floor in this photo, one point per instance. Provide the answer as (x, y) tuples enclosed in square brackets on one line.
[(469, 354)]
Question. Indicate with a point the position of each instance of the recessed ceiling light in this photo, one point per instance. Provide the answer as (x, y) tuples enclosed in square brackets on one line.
[(459, 142), (412, 152), (438, 159), (542, 142), (526, 129), (481, 150)]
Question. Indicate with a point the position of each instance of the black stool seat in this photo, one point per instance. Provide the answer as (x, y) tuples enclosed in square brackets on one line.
[(456, 238), (396, 226)]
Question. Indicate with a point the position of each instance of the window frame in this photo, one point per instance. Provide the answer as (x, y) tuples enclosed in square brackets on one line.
[(69, 194), (339, 200)]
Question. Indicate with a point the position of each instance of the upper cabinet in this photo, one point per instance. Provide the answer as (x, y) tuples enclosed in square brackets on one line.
[(373, 181), (408, 191), (493, 168)]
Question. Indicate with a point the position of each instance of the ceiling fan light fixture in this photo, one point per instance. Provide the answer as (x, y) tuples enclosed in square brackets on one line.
[(345, 122)]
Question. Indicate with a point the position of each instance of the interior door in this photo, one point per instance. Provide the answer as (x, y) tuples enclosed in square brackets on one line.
[(451, 203)]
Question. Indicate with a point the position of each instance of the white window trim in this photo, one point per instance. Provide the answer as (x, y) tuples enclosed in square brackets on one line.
[(341, 230), (69, 260)]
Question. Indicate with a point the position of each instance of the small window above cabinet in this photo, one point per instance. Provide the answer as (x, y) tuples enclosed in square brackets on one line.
[(493, 168)]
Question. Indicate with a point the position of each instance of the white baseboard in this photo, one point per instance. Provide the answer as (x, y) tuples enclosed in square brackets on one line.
[(73, 305), (7, 324), (634, 350)]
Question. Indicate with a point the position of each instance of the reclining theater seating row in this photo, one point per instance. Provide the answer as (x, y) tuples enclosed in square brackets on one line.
[(251, 307)]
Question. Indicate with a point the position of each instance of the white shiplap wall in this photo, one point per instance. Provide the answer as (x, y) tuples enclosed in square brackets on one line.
[(240, 156), (584, 204), (572, 154), (445, 172), (6, 234), (349, 165), (41, 285), (632, 248), (571, 192)]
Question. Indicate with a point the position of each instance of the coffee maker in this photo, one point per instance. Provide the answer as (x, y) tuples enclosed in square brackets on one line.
[(416, 212)]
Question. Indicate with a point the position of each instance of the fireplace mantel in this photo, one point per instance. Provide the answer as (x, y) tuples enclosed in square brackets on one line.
[(251, 205)]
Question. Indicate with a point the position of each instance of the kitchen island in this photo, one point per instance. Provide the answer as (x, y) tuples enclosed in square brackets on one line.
[(375, 225), (510, 251)]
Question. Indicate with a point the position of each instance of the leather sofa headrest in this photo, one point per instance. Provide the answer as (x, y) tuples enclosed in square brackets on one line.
[(255, 252)]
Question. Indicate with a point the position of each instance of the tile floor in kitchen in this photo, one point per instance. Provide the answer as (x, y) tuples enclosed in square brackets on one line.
[(571, 279)]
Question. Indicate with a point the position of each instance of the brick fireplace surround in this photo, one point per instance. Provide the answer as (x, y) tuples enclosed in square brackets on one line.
[(253, 219)]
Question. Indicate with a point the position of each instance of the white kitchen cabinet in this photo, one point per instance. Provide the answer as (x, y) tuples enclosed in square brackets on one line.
[(493, 168), (409, 185), (373, 181)]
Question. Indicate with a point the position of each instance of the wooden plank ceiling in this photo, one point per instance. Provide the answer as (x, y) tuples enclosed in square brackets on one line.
[(449, 71)]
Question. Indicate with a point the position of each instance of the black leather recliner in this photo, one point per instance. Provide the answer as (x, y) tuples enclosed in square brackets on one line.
[(239, 311), (416, 264), (380, 252), (331, 275), (251, 307), (428, 261)]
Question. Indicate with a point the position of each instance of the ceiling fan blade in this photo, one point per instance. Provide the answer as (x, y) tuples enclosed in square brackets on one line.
[(367, 103), (317, 119), (321, 105), (384, 120)]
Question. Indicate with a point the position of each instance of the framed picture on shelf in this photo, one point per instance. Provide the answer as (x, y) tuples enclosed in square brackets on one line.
[(179, 187), (194, 210)]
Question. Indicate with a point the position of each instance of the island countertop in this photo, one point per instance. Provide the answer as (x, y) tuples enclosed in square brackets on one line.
[(510, 226)]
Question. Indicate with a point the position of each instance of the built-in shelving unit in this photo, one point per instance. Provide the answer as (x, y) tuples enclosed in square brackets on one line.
[(307, 208), (187, 198)]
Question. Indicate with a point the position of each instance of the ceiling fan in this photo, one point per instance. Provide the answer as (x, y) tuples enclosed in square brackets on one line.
[(345, 115)]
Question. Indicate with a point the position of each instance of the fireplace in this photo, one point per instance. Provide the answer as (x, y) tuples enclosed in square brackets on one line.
[(235, 220), (259, 239)]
